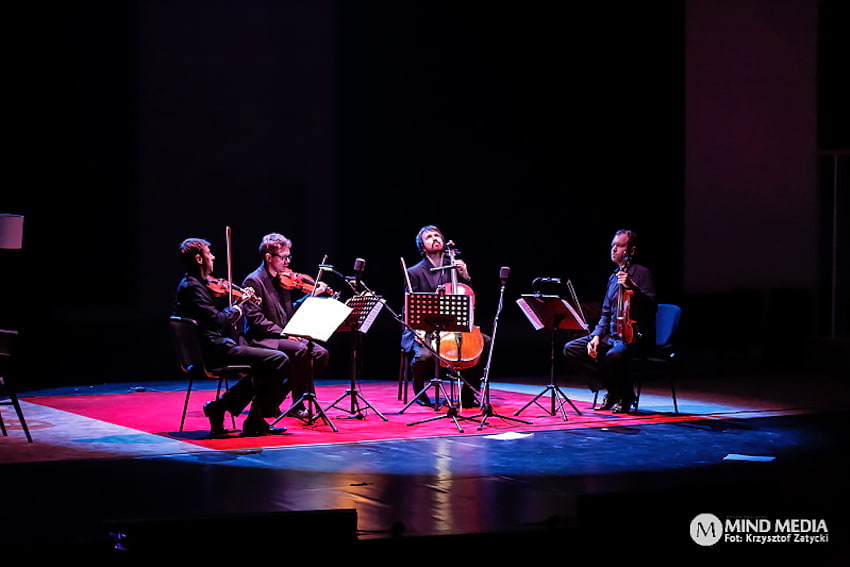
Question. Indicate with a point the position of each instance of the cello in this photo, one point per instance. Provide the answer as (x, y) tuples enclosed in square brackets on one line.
[(460, 350)]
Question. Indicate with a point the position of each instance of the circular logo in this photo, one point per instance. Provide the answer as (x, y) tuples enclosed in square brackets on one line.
[(706, 529)]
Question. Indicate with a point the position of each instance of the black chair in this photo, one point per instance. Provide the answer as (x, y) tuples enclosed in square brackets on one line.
[(184, 332), (8, 340), (663, 358)]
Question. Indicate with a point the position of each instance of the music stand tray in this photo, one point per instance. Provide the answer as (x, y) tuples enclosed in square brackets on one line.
[(315, 320), (553, 313), (435, 313), (364, 309)]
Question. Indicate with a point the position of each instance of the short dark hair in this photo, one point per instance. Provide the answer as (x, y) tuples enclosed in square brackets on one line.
[(272, 243), (633, 239), (189, 248)]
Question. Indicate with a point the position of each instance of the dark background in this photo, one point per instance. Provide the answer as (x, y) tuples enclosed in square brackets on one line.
[(528, 132)]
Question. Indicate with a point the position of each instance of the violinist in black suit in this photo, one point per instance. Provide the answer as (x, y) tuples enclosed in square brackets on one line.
[(265, 322), (222, 345), (603, 355)]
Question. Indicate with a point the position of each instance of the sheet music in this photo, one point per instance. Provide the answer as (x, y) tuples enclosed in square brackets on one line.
[(317, 318), (530, 314), (369, 306), (527, 304)]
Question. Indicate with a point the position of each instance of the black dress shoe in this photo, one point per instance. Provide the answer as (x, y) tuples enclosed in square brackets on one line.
[(424, 401), (608, 402), (260, 430), (624, 406), (215, 413), (302, 413)]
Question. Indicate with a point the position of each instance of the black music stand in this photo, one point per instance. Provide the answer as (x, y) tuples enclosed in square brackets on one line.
[(316, 319), (552, 312), (435, 313), (365, 308)]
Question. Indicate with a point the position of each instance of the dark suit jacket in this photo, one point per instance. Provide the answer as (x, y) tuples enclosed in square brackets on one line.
[(422, 279), (216, 327), (265, 322)]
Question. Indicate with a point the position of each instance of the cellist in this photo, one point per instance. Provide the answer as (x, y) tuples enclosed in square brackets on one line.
[(431, 245), (626, 326)]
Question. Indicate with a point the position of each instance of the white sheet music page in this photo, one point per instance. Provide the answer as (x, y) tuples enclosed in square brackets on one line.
[(317, 318)]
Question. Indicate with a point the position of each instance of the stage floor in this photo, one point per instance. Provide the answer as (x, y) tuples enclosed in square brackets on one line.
[(758, 447)]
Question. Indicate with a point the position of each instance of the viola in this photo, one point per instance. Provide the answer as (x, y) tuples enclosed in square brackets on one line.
[(287, 279), (624, 325), (221, 287)]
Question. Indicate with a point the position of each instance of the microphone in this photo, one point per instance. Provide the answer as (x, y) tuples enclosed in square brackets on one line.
[(359, 266), (504, 272)]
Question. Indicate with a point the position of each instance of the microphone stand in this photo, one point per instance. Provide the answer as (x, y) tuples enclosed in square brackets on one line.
[(486, 408)]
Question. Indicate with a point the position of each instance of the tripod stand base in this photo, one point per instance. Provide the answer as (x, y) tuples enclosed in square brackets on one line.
[(452, 414), (487, 412), (439, 388), (309, 403), (558, 400), (355, 408)]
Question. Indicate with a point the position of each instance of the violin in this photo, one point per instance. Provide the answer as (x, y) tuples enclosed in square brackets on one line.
[(460, 349), (624, 326), (287, 279), (221, 287)]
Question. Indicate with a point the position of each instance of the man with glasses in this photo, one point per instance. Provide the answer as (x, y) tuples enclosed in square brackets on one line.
[(264, 323)]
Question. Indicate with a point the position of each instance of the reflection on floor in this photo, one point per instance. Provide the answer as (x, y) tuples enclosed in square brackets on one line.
[(773, 455)]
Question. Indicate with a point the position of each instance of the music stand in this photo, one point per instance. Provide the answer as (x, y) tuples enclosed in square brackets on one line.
[(552, 312), (435, 313), (364, 309), (316, 319)]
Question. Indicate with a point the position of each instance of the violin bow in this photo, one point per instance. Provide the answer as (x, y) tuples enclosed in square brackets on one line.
[(227, 237), (318, 277)]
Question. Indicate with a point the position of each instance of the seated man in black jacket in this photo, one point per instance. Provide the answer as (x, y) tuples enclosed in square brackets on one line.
[(220, 336)]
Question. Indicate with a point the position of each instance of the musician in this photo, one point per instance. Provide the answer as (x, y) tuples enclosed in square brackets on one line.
[(603, 355), (264, 323), (221, 345), (432, 248)]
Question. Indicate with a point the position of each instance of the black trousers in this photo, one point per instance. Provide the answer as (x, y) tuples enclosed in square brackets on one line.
[(608, 371), (303, 369), (269, 385)]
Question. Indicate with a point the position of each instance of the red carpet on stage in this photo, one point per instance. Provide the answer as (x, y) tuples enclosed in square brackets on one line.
[(159, 413)]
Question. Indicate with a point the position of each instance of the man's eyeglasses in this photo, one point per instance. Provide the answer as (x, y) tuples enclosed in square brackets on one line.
[(284, 256)]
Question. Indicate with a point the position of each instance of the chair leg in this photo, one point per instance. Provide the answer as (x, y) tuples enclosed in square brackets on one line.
[(226, 388), (595, 397), (673, 393), (637, 394), (186, 403), (20, 413), (403, 376), (13, 397)]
